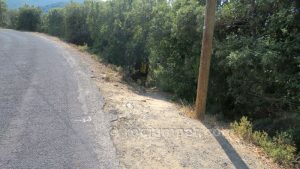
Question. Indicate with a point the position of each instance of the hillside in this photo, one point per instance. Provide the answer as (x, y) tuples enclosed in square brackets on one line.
[(54, 5), (13, 4)]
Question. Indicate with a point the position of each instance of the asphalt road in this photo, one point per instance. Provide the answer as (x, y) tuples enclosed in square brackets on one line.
[(50, 111)]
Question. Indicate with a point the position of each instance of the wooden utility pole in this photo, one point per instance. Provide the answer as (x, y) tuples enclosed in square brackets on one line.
[(206, 51)]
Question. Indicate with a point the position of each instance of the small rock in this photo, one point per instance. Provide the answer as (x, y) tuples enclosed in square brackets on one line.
[(224, 164), (105, 77), (129, 105)]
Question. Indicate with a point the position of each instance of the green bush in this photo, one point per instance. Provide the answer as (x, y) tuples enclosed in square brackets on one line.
[(12, 19), (76, 29), (281, 147), (242, 128), (29, 18), (54, 22), (3, 11), (175, 47)]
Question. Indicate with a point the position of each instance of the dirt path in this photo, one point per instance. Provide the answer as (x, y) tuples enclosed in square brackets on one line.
[(150, 132)]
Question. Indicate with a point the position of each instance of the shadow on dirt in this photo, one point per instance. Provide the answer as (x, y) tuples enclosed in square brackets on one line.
[(231, 153)]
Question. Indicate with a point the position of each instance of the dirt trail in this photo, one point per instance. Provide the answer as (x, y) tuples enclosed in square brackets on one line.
[(150, 132)]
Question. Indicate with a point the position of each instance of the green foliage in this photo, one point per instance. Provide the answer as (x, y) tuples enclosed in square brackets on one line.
[(280, 147), (29, 18), (242, 128), (12, 19), (3, 10), (175, 47), (54, 22), (76, 30), (255, 67), (83, 48), (119, 30), (259, 67)]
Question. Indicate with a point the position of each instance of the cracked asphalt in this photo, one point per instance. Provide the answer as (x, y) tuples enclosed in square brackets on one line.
[(50, 111)]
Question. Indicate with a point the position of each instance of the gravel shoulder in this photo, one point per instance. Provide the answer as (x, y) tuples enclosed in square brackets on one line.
[(149, 131)]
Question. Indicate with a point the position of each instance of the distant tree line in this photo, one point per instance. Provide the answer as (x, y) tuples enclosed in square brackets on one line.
[(3, 11), (255, 69)]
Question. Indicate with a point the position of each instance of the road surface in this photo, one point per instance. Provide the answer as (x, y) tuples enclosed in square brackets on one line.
[(50, 112)]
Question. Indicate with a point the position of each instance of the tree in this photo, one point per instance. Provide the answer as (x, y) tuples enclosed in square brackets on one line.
[(3, 10), (12, 19), (76, 28), (55, 22), (174, 48), (29, 18)]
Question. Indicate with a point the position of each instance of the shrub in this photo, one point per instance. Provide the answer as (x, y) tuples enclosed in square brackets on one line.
[(242, 128), (280, 148), (3, 10), (29, 18), (55, 22), (76, 28)]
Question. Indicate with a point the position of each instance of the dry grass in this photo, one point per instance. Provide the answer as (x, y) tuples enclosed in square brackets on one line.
[(188, 110)]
